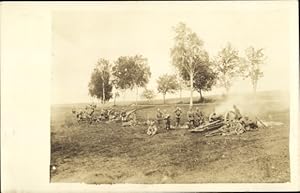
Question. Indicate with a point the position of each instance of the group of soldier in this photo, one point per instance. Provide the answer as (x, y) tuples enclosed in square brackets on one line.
[(163, 119), (106, 114), (195, 118), (85, 114), (112, 114)]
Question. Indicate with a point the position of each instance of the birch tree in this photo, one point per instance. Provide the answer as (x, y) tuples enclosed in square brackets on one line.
[(187, 54)]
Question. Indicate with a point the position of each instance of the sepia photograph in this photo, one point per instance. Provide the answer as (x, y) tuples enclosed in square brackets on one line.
[(170, 94), (140, 96)]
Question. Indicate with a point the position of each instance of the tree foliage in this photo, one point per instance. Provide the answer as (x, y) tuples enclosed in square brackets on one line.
[(131, 71), (167, 84), (204, 79), (227, 66), (188, 54), (100, 85), (148, 94), (252, 65)]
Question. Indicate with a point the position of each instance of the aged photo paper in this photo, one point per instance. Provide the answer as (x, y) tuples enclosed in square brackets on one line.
[(197, 96)]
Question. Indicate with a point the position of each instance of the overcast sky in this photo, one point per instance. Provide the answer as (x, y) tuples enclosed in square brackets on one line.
[(83, 34)]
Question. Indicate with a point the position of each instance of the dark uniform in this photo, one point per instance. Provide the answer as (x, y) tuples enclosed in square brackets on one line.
[(123, 115), (238, 114), (152, 129), (190, 116), (159, 117), (198, 116), (168, 121), (178, 115), (213, 117), (106, 115)]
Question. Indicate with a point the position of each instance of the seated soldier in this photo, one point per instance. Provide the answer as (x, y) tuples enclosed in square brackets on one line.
[(123, 115), (152, 129), (248, 123), (101, 117), (214, 117), (116, 115), (131, 119)]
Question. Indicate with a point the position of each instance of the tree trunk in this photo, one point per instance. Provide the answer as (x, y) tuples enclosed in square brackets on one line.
[(123, 93), (164, 97), (201, 97), (192, 88), (180, 93), (227, 90), (254, 86), (115, 99), (137, 94), (103, 91)]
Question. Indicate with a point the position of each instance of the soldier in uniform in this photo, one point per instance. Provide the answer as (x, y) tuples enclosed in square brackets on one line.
[(237, 112), (197, 117), (159, 117), (214, 117), (117, 115), (248, 123), (167, 120), (102, 115), (132, 119), (106, 115), (202, 118), (152, 129), (123, 115), (190, 117), (78, 115), (178, 112)]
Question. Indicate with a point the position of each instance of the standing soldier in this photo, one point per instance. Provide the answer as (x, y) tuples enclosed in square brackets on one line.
[(190, 116), (238, 114), (197, 116), (202, 118), (167, 120), (178, 112), (159, 117)]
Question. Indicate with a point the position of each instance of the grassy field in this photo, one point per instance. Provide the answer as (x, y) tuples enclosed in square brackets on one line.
[(108, 153)]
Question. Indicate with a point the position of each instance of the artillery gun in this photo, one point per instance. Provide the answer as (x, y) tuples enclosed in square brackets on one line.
[(209, 126), (130, 118), (230, 123), (129, 114)]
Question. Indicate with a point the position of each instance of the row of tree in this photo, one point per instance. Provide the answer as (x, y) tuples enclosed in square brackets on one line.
[(195, 68), (128, 72)]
